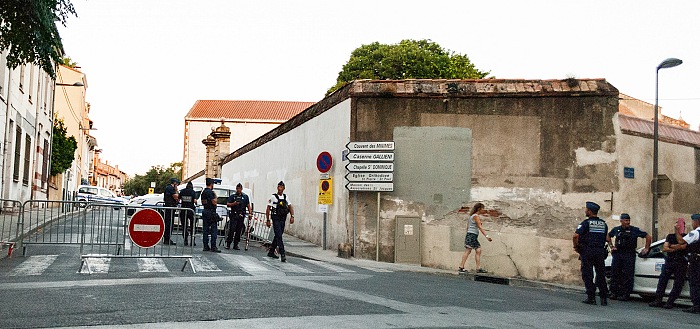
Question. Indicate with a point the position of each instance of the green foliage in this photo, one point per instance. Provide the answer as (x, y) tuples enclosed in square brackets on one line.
[(139, 184), (409, 59), (62, 148), (67, 61), (28, 30)]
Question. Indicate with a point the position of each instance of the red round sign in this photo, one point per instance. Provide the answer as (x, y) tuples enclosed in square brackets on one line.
[(324, 162), (146, 228)]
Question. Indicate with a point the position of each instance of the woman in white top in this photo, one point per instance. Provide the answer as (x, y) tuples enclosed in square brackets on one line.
[(471, 241)]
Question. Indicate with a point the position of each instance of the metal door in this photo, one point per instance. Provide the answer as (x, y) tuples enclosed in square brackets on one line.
[(407, 249)]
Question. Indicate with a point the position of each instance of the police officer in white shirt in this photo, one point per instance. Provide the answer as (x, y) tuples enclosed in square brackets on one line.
[(278, 206), (692, 242)]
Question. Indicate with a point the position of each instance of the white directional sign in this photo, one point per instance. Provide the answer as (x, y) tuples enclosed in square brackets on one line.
[(371, 156), (370, 187), (370, 177), (369, 167), (370, 146)]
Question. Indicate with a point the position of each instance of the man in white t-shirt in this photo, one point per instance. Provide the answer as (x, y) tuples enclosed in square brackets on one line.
[(278, 206), (692, 242)]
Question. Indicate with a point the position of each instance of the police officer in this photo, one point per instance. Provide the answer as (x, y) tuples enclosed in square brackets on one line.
[(278, 206), (238, 203), (170, 198), (624, 256), (589, 241), (209, 217), (188, 200), (676, 266), (692, 245)]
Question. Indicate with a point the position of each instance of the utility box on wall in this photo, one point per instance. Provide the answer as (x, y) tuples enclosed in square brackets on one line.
[(407, 249)]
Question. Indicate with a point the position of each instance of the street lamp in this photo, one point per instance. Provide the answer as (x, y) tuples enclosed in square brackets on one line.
[(667, 63), (77, 84)]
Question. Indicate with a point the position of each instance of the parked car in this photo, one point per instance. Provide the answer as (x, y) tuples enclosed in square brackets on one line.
[(647, 269), (88, 193)]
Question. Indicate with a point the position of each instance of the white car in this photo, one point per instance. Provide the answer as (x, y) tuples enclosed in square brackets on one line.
[(647, 269), (89, 193)]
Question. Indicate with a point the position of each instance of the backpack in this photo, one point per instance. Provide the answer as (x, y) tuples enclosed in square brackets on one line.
[(282, 208)]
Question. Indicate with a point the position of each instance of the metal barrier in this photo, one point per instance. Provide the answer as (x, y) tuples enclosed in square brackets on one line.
[(106, 235), (50, 222), (260, 232), (10, 218)]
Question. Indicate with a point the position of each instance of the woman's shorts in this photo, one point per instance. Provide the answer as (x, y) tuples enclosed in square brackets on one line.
[(471, 241)]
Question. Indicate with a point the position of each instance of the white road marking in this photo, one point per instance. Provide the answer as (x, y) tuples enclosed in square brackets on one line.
[(203, 264), (285, 267), (151, 265), (328, 266), (376, 269), (250, 265), (34, 265), (98, 265)]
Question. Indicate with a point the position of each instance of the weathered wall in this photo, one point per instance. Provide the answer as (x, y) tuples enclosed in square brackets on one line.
[(291, 157)]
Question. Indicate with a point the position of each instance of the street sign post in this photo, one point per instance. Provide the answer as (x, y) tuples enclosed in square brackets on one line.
[(146, 228), (370, 187), (371, 156), (370, 146), (325, 191), (370, 177)]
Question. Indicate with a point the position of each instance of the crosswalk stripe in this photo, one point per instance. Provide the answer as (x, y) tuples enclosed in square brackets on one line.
[(286, 267), (34, 265), (97, 265), (203, 264), (328, 266), (249, 264), (151, 265)]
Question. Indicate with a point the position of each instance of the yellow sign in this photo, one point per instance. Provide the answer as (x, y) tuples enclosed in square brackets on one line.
[(150, 190), (325, 191)]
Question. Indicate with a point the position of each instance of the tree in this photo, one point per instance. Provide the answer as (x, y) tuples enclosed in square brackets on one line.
[(62, 148), (161, 175), (28, 30), (408, 59), (67, 61)]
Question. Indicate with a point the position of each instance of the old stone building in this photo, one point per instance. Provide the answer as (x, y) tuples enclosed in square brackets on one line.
[(532, 150)]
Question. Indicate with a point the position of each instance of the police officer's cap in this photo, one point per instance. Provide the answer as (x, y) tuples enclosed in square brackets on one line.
[(239, 185), (594, 207), (281, 183), (695, 216), (209, 181), (625, 216), (174, 181)]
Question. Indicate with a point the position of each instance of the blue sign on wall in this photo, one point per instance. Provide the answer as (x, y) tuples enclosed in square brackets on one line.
[(629, 172)]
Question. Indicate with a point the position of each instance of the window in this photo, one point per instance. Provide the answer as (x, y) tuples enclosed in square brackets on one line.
[(107, 193), (27, 158), (88, 190), (45, 164), (21, 78), (31, 82), (3, 68), (18, 153)]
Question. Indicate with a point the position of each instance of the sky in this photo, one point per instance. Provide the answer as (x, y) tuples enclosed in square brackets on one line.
[(148, 61)]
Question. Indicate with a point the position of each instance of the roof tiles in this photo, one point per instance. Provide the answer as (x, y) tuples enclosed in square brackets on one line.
[(246, 110)]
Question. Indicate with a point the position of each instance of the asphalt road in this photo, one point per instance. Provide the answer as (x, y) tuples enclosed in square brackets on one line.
[(50, 288)]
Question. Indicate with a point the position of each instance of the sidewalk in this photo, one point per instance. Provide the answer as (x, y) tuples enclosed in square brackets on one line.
[(300, 248)]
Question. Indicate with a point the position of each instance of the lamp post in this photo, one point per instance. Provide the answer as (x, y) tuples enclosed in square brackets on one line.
[(667, 63)]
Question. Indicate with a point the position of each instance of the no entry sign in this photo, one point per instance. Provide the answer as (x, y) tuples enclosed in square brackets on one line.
[(146, 228), (324, 162)]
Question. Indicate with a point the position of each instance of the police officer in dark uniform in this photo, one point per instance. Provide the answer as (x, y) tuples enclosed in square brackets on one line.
[(238, 203), (170, 198), (188, 200), (210, 218), (278, 206), (692, 245), (624, 255), (589, 241), (676, 267)]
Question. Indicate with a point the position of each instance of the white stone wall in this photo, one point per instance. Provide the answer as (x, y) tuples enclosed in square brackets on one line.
[(292, 158), (194, 154)]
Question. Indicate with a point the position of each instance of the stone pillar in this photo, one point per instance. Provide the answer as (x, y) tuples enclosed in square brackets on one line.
[(211, 166), (222, 136)]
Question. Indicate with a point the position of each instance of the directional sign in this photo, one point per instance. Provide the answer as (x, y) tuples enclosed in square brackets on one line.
[(369, 167), (370, 177), (370, 146), (325, 191), (371, 156), (146, 228), (371, 187), (324, 162)]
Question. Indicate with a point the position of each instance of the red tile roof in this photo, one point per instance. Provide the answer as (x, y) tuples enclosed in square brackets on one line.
[(246, 110), (667, 133)]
